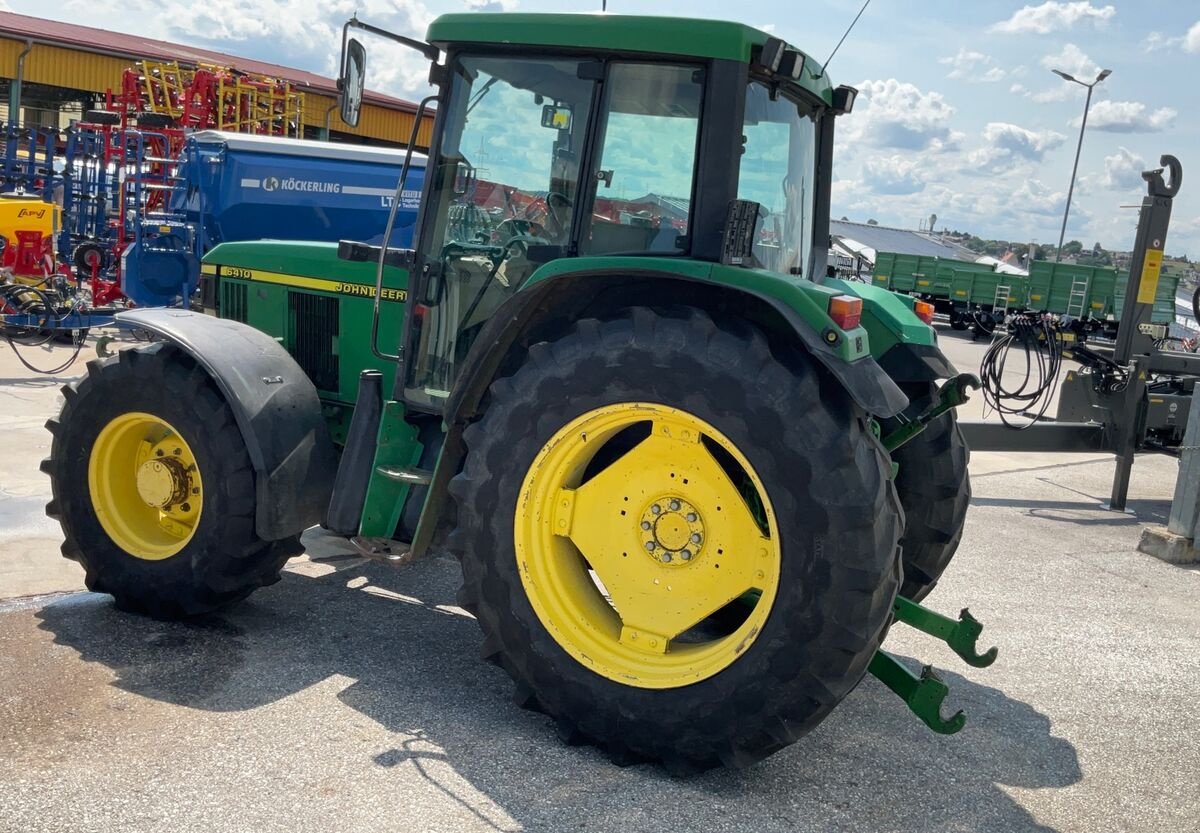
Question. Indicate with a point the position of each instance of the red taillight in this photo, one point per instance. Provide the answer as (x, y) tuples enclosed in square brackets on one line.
[(845, 310), (924, 311)]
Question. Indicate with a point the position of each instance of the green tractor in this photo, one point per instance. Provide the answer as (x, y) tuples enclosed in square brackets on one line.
[(691, 480)]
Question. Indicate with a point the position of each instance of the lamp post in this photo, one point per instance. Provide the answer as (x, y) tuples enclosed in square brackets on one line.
[(1104, 73)]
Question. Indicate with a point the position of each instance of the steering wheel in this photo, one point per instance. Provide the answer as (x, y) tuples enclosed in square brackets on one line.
[(556, 226)]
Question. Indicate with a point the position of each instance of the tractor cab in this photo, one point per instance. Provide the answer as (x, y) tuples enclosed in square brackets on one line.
[(557, 140)]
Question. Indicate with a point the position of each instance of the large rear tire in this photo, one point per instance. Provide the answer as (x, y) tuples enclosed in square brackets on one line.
[(154, 489), (727, 564), (935, 491)]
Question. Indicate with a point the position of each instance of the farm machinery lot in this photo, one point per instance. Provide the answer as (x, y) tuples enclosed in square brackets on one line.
[(348, 696)]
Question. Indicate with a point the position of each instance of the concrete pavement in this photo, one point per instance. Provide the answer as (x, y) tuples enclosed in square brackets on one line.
[(348, 697)]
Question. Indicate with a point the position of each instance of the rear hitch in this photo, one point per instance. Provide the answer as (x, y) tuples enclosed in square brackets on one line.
[(924, 694), (953, 393), (960, 635)]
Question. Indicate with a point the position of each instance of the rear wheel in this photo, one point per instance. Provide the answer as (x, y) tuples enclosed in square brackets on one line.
[(680, 546), (935, 491), (154, 488)]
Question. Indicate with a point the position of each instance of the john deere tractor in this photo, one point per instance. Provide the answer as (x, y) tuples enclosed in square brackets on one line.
[(691, 480)]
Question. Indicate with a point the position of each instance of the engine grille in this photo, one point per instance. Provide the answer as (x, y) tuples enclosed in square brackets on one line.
[(312, 334), (233, 301)]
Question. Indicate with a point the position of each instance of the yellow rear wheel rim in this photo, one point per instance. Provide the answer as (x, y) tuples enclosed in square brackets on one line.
[(626, 569), (145, 486)]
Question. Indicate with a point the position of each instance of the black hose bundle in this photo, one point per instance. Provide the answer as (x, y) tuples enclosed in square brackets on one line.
[(32, 301), (1036, 338)]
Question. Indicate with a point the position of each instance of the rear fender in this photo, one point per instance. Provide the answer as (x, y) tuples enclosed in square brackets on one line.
[(276, 408), (542, 310)]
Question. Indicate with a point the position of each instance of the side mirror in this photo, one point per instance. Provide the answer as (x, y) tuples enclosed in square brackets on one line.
[(557, 116), (352, 81)]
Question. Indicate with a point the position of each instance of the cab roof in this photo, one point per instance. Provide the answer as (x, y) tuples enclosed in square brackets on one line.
[(676, 36)]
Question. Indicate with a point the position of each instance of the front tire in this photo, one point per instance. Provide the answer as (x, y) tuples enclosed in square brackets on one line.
[(727, 624), (154, 489), (935, 491)]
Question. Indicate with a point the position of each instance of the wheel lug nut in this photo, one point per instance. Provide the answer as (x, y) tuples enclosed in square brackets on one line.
[(686, 555), (177, 452), (695, 537), (674, 505), (195, 490), (649, 546), (655, 509), (187, 507), (666, 558), (691, 516), (645, 524), (158, 453)]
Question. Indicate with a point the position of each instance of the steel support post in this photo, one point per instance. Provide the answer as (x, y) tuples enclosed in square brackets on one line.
[(1128, 430), (1185, 504), (1146, 260)]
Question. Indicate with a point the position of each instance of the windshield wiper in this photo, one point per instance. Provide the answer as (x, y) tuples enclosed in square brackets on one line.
[(483, 91)]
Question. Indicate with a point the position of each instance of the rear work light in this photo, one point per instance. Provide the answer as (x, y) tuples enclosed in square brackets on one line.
[(924, 311), (845, 310)]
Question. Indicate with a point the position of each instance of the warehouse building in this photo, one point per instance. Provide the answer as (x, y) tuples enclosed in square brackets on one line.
[(57, 71)]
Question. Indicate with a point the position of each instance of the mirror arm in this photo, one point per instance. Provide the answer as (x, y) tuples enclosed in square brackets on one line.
[(430, 52)]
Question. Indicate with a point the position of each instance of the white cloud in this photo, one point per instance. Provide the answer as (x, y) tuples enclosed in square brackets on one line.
[(1073, 61), (1034, 197), (1018, 89), (1191, 41), (1123, 170), (1128, 117), (1052, 16), (1007, 146), (964, 63), (969, 66), (491, 5), (896, 175), (1029, 144), (899, 115)]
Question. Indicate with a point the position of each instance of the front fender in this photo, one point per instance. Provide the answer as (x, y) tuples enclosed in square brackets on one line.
[(276, 408)]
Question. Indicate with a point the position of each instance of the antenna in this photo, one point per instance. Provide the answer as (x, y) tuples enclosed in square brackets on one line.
[(825, 66)]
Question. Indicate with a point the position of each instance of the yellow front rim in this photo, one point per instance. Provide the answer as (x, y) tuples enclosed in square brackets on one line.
[(658, 569), (145, 486)]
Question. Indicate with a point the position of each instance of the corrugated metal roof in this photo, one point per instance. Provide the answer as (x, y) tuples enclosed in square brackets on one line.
[(133, 47), (902, 241)]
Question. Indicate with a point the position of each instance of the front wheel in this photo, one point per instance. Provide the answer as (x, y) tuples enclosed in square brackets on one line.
[(680, 545), (154, 488)]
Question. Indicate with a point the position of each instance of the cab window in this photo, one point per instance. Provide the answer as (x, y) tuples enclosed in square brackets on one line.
[(647, 160)]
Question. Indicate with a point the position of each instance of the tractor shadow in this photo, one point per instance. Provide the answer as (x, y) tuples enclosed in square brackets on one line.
[(413, 658)]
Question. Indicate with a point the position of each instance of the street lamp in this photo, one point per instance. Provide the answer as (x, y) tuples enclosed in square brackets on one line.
[(1104, 73)]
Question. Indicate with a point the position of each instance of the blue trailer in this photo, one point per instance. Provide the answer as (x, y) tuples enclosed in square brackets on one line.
[(235, 187)]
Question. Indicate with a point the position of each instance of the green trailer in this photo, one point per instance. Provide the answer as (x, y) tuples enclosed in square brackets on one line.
[(925, 275), (982, 297), (1083, 292), (929, 278)]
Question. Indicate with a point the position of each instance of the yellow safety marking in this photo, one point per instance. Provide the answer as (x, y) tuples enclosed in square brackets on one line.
[(358, 290), (1151, 268)]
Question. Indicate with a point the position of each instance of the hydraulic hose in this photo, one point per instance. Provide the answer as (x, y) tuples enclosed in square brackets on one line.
[(1031, 398)]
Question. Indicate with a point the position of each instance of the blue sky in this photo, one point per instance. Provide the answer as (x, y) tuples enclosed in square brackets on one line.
[(959, 114)]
